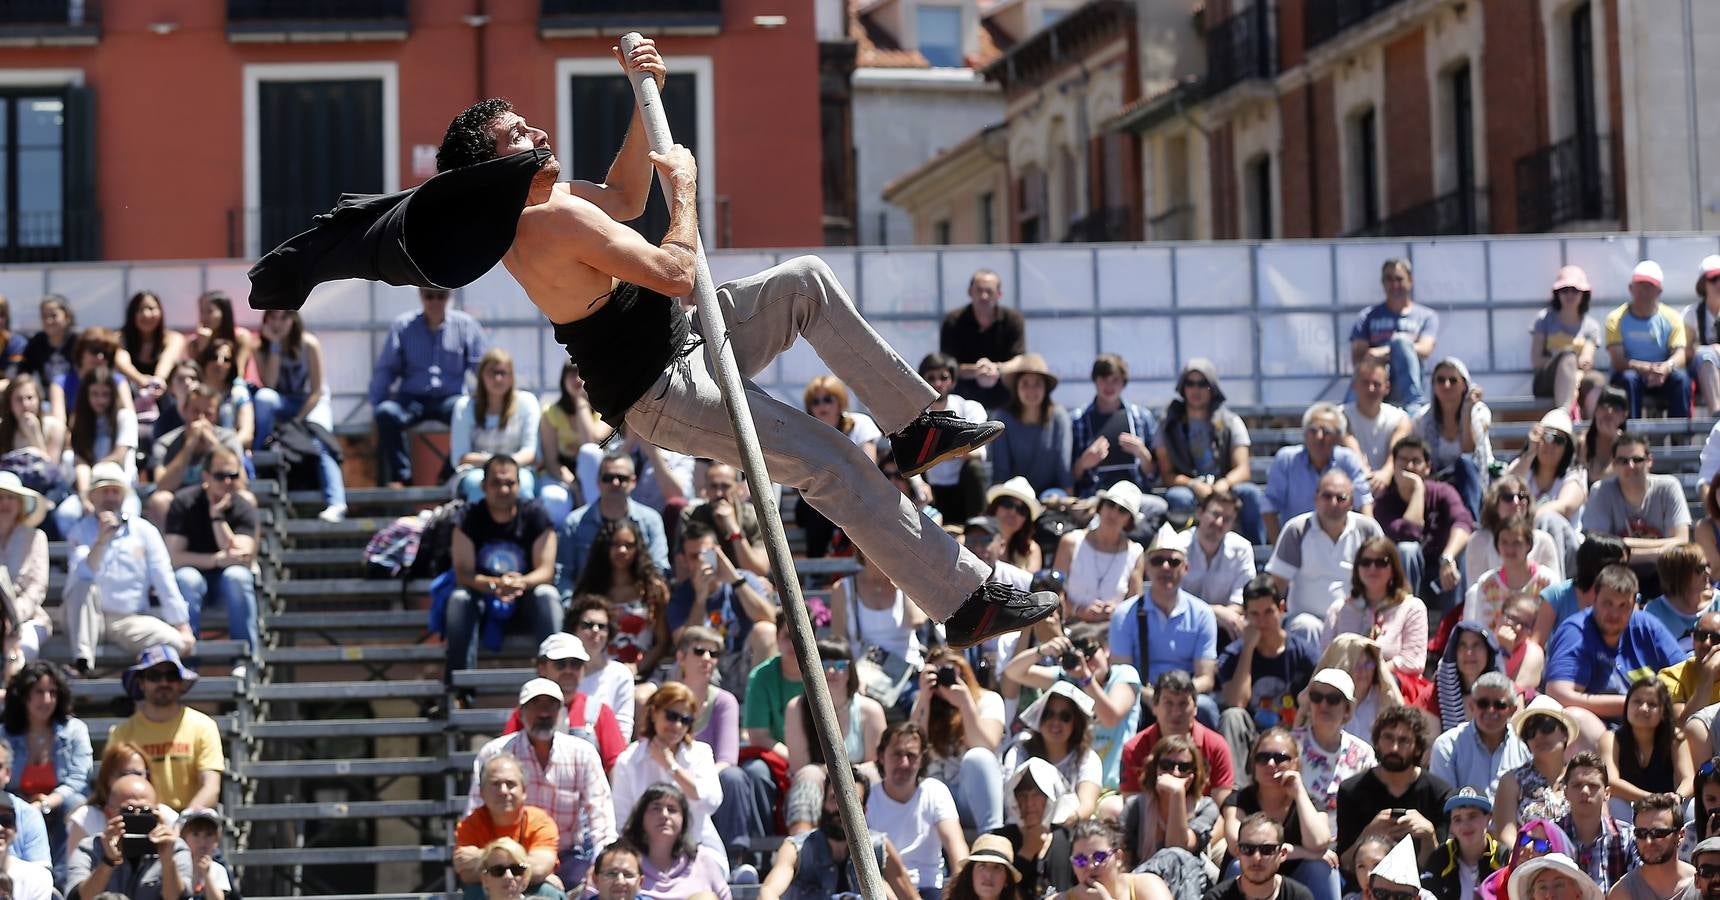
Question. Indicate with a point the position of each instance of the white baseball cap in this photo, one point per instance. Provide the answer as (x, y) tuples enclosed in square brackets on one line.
[(562, 645), (1648, 270), (541, 687), (1337, 678)]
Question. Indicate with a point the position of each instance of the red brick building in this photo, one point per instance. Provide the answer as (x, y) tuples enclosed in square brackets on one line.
[(156, 129)]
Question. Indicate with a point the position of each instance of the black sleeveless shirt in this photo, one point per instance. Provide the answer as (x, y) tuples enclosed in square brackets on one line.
[(623, 348)]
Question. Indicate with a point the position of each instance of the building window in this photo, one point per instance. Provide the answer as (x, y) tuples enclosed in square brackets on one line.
[(941, 232), (988, 218), (1463, 215), (1257, 197), (940, 34), (45, 212), (1364, 192), (1030, 220), (603, 107), (316, 140)]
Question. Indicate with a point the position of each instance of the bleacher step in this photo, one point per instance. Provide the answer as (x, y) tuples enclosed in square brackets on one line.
[(492, 680), (286, 730), (402, 653), (339, 856), (342, 621), (357, 809), (400, 767), (208, 688), (483, 720), (334, 691), (360, 498)]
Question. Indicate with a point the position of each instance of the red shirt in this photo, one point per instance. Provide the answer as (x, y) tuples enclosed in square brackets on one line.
[(1219, 774), (606, 729)]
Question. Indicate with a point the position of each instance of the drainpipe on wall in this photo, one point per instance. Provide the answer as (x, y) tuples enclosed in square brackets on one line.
[(1691, 114), (479, 18)]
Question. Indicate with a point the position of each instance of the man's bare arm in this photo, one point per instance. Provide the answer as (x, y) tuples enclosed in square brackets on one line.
[(627, 184)]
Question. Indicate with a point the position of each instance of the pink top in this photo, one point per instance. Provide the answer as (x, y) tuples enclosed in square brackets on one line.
[(1400, 629)]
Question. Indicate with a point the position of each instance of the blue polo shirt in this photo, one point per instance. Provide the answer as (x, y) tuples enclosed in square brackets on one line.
[(1292, 481), (1175, 641), (1577, 654), (1562, 597)]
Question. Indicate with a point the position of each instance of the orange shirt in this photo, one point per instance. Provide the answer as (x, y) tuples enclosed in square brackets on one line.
[(534, 829)]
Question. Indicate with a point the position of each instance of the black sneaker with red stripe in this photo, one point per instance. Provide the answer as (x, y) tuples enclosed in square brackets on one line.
[(996, 609), (936, 436)]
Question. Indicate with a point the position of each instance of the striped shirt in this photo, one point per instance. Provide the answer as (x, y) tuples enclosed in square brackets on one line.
[(1087, 424)]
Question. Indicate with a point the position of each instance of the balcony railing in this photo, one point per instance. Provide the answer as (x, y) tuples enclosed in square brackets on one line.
[(579, 18), (1324, 19), (1570, 181), (1459, 212), (281, 20), (1242, 47), (48, 236), (1103, 225), (49, 22)]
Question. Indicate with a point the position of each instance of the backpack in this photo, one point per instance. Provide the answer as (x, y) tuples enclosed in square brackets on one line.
[(436, 546), (392, 550)]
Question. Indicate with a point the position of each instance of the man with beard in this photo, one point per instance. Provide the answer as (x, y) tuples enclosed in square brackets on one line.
[(1260, 850), (561, 658), (1396, 798), (563, 777), (917, 814), (814, 865), (1707, 860), (183, 744), (1659, 822)]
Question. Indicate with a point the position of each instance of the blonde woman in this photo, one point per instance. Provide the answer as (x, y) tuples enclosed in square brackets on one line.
[(826, 399), (1375, 688), (495, 419)]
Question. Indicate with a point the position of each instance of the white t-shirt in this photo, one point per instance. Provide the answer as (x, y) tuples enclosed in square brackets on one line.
[(30, 881), (949, 471), (912, 827), (1374, 435), (612, 684), (1317, 567), (1075, 768), (864, 428)]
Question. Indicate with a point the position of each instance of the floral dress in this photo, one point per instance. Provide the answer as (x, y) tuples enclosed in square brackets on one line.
[(1323, 771)]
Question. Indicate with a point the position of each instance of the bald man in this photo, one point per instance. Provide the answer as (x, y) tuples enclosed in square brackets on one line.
[(101, 862)]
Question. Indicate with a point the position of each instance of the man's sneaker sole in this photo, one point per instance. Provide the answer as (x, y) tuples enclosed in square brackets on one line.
[(983, 627), (990, 434)]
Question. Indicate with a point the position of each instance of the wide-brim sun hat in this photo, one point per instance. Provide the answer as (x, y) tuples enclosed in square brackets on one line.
[(1523, 876), (1029, 364), (1543, 705), (1032, 714), (992, 848), (1017, 488), (35, 506)]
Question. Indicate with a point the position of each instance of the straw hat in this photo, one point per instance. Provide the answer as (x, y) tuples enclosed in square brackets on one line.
[(1017, 488), (1543, 705), (35, 507), (1523, 877), (992, 848), (1029, 364)]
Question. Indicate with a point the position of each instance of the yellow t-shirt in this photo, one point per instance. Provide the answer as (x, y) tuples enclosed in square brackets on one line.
[(1680, 680), (178, 750)]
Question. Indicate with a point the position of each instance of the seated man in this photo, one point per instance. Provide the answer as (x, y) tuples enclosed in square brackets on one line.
[(1113, 438), (504, 565), (616, 480), (504, 813), (420, 373), (211, 535), (1596, 654), (1220, 562), (1260, 851), (1399, 332), (1646, 341), (1314, 556), (1166, 627), (727, 512), (180, 455), (737, 603), (916, 813), (1262, 672), (561, 658), (1174, 707), (182, 744), (1297, 471), (1480, 750), (1427, 520), (814, 865), (1398, 796), (109, 861), (1645, 510), (113, 565)]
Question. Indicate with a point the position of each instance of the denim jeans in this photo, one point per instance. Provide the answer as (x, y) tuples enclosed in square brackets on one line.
[(1466, 478), (1409, 379), (747, 807), (537, 611), (978, 790), (269, 406), (1674, 391), (393, 417), (234, 587)]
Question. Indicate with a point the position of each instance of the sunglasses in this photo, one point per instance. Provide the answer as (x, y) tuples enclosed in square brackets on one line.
[(1271, 758), (1176, 766), (589, 625), (1197, 383), (1516, 497), (1655, 834), (1710, 871), (564, 665), (1629, 460), (1165, 561), (1555, 437), (615, 478), (1061, 715), (514, 869), (838, 666), (1537, 844), (681, 719), (1256, 849), (706, 652), (1447, 380), (1538, 725), (160, 675), (1704, 635), (224, 476), (1324, 699), (1495, 705), (1082, 860), (1374, 562), (826, 400)]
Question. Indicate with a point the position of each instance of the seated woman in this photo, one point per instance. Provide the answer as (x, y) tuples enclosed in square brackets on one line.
[(1017, 510), (675, 866), (24, 560), (51, 758), (1330, 752), (1525, 658), (49, 353), (964, 727), (1557, 485), (1706, 533), (1383, 607), (569, 451), (1537, 784), (1470, 653), (1689, 587), (619, 570), (880, 621), (1595, 447), (1372, 683), (97, 348), (1103, 566), (505, 873), (1456, 426), (1114, 690), (494, 419), (1168, 826), (1100, 870), (1041, 831), (148, 348), (1563, 339), (1203, 447), (859, 717), (102, 431), (1646, 755), (1540, 837), (666, 755), (1060, 731), (826, 399), (215, 322), (1507, 498), (31, 440), (1037, 444), (290, 365), (1277, 791), (220, 371)]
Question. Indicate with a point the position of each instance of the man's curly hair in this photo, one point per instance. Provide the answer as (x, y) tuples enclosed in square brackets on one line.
[(468, 141)]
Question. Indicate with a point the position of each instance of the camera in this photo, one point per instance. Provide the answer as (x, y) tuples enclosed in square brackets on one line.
[(134, 842), (946, 676), (1070, 659)]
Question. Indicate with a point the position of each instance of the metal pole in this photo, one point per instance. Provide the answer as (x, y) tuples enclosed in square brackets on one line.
[(722, 363)]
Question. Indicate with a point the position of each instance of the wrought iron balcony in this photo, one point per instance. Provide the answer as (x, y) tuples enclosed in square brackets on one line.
[(49, 236), (1325, 19), (1570, 181), (36, 23), (583, 18), (1103, 225), (1459, 212), (1242, 47), (316, 20)]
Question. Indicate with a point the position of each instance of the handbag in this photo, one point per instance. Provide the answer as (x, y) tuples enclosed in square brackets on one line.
[(883, 675)]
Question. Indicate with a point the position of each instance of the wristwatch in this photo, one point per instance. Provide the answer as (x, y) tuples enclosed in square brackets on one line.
[(1446, 558), (739, 582)]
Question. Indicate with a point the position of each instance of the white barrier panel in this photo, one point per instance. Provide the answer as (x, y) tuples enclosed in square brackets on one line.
[(1275, 317)]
